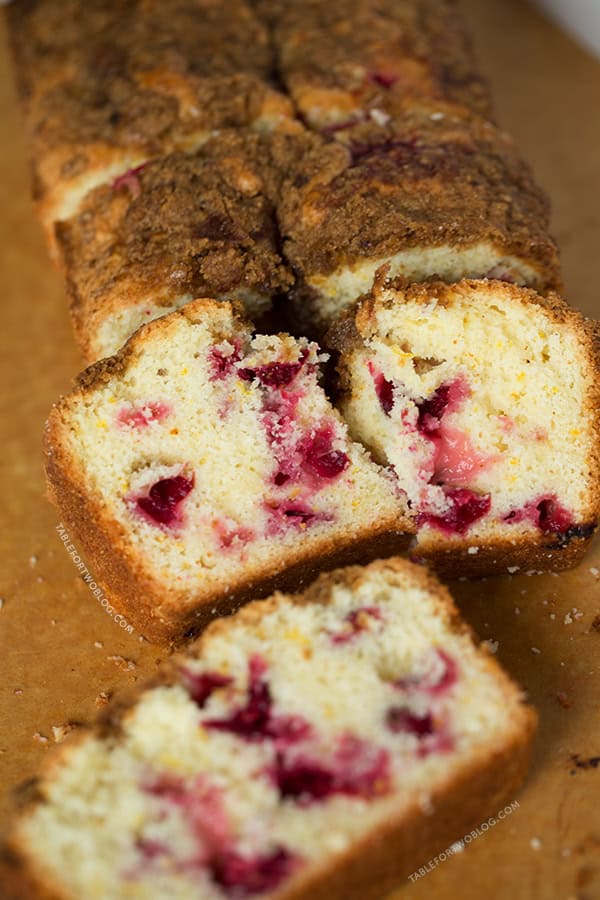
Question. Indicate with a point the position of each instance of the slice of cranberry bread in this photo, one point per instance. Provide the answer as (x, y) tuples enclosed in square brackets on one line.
[(183, 226), (439, 192), (483, 399), (317, 746), (201, 464), (156, 78), (359, 60)]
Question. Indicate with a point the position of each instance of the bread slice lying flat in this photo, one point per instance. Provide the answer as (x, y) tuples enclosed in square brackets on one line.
[(310, 747)]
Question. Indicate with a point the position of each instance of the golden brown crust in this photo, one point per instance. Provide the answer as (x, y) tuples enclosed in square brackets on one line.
[(184, 225), (437, 176)]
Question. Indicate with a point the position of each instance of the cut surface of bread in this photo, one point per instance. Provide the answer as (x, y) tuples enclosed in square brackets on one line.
[(437, 193), (482, 397), (315, 746), (358, 60), (201, 462), (183, 226)]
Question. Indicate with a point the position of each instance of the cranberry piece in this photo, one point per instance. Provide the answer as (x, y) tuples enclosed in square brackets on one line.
[(358, 769), (143, 415), (275, 374), (130, 181), (164, 497), (356, 622), (150, 849), (383, 79), (402, 720), (255, 721), (445, 399), (280, 478), (321, 458), (305, 779), (384, 388), (553, 518), (440, 675), (221, 362), (465, 508), (201, 686), (247, 875)]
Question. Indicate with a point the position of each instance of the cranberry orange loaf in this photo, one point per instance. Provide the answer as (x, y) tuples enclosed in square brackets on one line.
[(438, 193), (158, 78), (319, 746), (202, 464), (483, 399), (183, 226), (356, 61)]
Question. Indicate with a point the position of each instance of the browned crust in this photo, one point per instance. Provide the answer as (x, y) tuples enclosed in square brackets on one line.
[(422, 182), (196, 225), (388, 854), (358, 55), (525, 552), (135, 593)]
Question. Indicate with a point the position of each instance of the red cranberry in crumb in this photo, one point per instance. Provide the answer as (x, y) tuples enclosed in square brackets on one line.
[(357, 769), (546, 513), (440, 673), (321, 458), (383, 79), (383, 388), (243, 876), (465, 508), (222, 360), (446, 398), (255, 721), (200, 686), (129, 181), (356, 621), (145, 414), (275, 374), (164, 498), (399, 719)]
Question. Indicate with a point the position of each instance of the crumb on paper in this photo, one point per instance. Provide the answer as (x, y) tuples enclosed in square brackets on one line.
[(18, 691), (124, 664), (473, 550), (595, 626), (2, 602), (536, 650), (101, 700), (512, 569), (594, 571), (33, 561), (40, 738), (535, 843), (98, 644), (492, 646), (517, 611), (59, 732), (564, 699)]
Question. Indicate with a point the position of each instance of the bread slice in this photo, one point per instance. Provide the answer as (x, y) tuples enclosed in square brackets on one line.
[(202, 465), (438, 192), (483, 399), (359, 60), (142, 81), (183, 226), (318, 746)]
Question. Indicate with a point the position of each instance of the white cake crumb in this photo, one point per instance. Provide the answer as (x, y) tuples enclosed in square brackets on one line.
[(535, 650), (535, 843)]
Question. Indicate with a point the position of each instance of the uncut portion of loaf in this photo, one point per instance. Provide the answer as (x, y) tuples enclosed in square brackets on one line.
[(314, 746), (438, 192), (135, 82), (483, 399), (183, 226), (356, 61), (202, 465)]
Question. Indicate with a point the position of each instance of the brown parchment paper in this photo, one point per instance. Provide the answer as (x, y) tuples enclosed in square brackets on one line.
[(61, 654)]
